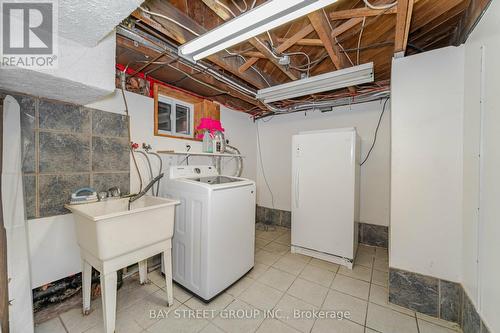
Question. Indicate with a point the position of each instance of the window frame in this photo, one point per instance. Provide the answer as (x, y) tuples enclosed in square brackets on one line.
[(173, 102)]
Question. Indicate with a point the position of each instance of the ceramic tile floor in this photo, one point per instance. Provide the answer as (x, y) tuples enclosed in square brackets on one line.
[(280, 281)]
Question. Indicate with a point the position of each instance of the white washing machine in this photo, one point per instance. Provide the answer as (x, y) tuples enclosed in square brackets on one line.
[(213, 243)]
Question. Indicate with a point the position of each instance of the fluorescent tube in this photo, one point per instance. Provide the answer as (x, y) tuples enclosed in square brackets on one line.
[(265, 17), (342, 78)]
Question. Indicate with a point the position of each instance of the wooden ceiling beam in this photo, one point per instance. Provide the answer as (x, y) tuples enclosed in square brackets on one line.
[(475, 9), (180, 35), (224, 14), (360, 13), (128, 44), (403, 21), (285, 45), (305, 42), (326, 34)]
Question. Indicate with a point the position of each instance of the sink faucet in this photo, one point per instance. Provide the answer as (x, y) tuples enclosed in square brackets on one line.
[(145, 190)]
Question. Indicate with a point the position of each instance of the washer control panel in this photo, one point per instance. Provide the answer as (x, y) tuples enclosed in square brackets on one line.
[(192, 171)]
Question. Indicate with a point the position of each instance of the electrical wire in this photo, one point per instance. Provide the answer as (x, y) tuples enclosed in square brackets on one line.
[(380, 7), (239, 8), (170, 19), (262, 166), (359, 39), (122, 86), (376, 132), (223, 5)]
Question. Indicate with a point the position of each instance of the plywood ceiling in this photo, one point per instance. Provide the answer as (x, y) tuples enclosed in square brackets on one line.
[(342, 35)]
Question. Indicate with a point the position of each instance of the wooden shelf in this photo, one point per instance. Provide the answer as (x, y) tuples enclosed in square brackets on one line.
[(189, 153)]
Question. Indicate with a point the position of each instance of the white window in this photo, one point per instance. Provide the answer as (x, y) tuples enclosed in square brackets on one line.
[(175, 117)]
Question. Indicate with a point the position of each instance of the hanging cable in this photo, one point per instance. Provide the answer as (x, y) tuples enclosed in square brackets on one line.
[(359, 39), (225, 7), (380, 7), (376, 132), (169, 19), (239, 8), (122, 86), (262, 166)]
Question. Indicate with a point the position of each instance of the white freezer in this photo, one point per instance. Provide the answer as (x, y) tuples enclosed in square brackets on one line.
[(325, 194)]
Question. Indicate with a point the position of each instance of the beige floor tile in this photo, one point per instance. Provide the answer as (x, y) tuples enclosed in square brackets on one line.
[(284, 239), (325, 265), (157, 278), (124, 324), (367, 249), (257, 270), (381, 264), (217, 304), (447, 324), (380, 278), (357, 272), (294, 312), (211, 328), (126, 297), (266, 258), (236, 289), (300, 257), (380, 295), (269, 235), (277, 279), (260, 243), (277, 248), (261, 296), (317, 275), (148, 311), (428, 327), (51, 326), (275, 326), (336, 326), (75, 321), (236, 324), (309, 292), (386, 320), (179, 321), (353, 287), (181, 294), (337, 301), (290, 264), (363, 259)]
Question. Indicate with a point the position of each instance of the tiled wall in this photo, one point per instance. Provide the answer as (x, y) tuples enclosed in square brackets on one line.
[(434, 297), (67, 147), (275, 216)]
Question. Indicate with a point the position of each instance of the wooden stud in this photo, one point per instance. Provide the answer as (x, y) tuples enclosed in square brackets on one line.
[(403, 20), (359, 12)]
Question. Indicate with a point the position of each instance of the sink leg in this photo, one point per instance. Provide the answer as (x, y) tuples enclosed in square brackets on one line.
[(167, 265), (108, 292), (86, 285), (143, 271)]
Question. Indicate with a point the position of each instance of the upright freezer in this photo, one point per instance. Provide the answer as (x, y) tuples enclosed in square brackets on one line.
[(325, 194)]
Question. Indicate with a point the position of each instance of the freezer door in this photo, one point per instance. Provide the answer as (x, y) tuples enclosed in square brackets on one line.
[(323, 191)]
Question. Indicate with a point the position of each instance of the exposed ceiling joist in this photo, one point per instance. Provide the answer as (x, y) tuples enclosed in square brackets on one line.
[(325, 33), (286, 44), (475, 9), (403, 21), (305, 42), (180, 35), (359, 12), (153, 54), (223, 13)]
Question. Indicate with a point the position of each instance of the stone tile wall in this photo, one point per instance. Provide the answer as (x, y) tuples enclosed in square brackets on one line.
[(66, 147), (434, 297)]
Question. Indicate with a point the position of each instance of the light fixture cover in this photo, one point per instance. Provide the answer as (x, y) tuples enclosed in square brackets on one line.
[(265, 17), (342, 78)]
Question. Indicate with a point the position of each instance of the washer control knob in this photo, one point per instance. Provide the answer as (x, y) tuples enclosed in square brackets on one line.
[(197, 170)]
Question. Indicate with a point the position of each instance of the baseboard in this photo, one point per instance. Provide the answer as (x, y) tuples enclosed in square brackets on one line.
[(274, 216), (374, 235), (436, 298)]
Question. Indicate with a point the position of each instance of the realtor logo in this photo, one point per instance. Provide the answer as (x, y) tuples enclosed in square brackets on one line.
[(29, 35)]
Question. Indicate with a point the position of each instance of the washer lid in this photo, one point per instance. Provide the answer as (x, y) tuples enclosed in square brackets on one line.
[(217, 180)]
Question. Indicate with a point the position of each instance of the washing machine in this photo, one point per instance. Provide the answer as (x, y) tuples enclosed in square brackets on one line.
[(214, 231)]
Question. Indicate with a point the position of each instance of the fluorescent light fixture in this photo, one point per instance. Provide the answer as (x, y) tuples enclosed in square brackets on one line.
[(342, 78), (265, 17)]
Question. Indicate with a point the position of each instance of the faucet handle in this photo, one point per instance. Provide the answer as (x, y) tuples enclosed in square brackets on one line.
[(114, 192)]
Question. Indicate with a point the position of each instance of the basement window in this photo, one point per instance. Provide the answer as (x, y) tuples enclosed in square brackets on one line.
[(174, 118)]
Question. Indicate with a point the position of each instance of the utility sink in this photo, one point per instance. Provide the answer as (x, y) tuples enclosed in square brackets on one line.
[(112, 235), (109, 229)]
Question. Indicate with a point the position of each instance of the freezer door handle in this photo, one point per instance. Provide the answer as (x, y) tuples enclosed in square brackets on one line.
[(297, 182)]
